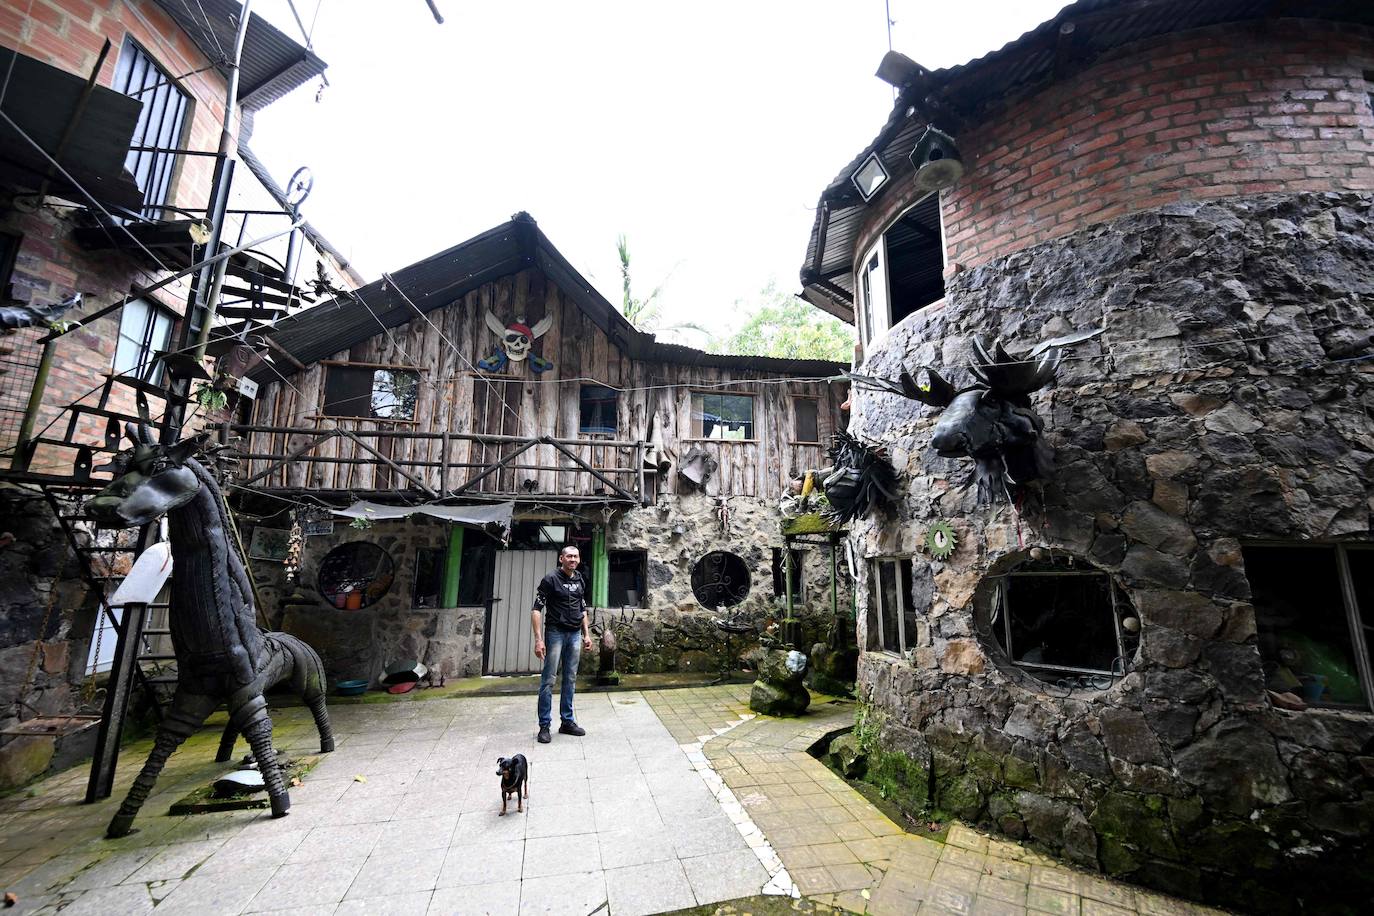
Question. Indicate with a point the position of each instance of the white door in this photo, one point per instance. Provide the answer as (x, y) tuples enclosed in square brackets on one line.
[(510, 643)]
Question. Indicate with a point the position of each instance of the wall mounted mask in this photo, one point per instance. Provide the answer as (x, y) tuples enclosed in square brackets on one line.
[(516, 339)]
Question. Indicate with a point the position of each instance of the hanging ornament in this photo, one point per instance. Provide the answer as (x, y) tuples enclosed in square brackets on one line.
[(941, 540), (294, 542)]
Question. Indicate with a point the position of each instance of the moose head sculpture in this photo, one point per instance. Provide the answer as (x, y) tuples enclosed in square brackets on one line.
[(990, 421)]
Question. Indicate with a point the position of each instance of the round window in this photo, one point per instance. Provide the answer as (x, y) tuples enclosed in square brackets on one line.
[(355, 575), (720, 579)]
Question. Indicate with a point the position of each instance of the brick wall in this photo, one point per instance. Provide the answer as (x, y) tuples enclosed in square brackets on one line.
[(1217, 112), (49, 266)]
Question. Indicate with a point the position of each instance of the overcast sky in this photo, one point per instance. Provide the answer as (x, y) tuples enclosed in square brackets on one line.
[(704, 131)]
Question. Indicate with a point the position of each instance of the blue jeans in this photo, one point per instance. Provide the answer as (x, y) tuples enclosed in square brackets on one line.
[(567, 647)]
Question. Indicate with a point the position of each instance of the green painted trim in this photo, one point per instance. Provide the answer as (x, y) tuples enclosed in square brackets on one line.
[(601, 570), (452, 563)]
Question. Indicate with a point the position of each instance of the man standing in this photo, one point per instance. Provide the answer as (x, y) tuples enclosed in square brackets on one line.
[(562, 605)]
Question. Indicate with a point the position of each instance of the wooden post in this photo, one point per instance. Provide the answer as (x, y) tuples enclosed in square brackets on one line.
[(443, 464), (452, 564)]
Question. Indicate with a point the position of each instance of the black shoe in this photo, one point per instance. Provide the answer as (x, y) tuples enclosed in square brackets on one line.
[(544, 737), (571, 728)]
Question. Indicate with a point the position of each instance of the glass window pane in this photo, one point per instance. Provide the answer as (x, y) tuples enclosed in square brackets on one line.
[(394, 392), (722, 416), (133, 322), (807, 412), (1063, 620), (887, 586), (429, 577), (1304, 633), (597, 411), (1362, 577), (908, 608), (347, 392)]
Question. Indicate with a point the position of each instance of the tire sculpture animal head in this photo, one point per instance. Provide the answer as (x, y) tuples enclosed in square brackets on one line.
[(152, 480), (991, 421)]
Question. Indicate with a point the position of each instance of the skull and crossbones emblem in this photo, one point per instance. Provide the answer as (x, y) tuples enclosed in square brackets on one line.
[(516, 339)]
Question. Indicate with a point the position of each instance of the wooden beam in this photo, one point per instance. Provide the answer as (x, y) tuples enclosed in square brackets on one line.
[(549, 440), (291, 456), (529, 443), (424, 487)]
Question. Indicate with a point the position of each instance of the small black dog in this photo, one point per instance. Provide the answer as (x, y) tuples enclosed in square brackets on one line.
[(515, 774)]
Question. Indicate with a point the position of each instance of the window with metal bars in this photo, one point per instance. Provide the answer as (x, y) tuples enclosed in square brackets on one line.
[(161, 123)]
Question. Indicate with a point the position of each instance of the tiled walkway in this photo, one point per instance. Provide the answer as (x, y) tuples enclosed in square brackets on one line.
[(640, 816), (841, 850)]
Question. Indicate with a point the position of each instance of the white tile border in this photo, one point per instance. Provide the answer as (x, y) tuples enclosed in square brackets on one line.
[(780, 883)]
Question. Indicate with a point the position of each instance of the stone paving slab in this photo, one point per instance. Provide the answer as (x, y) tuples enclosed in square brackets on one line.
[(674, 799)]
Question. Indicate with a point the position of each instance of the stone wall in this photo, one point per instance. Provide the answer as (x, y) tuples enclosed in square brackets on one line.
[(673, 633), (41, 617), (1226, 400)]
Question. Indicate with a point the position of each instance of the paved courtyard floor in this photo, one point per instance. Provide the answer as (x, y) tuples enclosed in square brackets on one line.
[(640, 816)]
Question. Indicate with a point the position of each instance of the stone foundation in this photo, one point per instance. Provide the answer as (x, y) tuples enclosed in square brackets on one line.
[(673, 633), (42, 611)]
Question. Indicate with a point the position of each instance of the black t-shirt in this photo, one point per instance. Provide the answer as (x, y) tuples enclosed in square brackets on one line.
[(561, 599)]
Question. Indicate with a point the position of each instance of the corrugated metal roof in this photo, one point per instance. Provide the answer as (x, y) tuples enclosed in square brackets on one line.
[(1012, 71), (272, 64), (325, 329)]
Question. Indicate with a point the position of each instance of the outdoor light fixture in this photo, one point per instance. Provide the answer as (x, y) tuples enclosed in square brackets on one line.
[(869, 177), (937, 161), (679, 530)]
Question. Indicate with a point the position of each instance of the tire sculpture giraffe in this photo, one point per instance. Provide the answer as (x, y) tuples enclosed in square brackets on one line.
[(222, 656)]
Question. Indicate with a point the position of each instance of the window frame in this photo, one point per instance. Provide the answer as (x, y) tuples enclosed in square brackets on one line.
[(694, 393), (874, 325), (875, 636), (815, 401), (330, 366), (583, 401), (163, 168), (1001, 607), (1356, 627), (144, 367)]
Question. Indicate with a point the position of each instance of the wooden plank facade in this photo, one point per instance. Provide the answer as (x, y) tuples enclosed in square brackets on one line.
[(466, 420)]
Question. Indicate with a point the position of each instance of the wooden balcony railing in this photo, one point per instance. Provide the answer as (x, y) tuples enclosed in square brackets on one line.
[(369, 456)]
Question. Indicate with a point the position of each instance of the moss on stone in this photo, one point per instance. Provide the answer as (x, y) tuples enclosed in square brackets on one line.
[(1019, 773), (811, 523)]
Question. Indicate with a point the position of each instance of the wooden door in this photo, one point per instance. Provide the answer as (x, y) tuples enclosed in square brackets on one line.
[(510, 644)]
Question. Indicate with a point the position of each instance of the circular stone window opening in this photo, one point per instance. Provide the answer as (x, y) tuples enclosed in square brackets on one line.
[(355, 575), (1063, 621), (720, 579)]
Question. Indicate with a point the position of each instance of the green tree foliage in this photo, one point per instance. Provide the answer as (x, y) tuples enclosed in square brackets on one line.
[(785, 326)]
